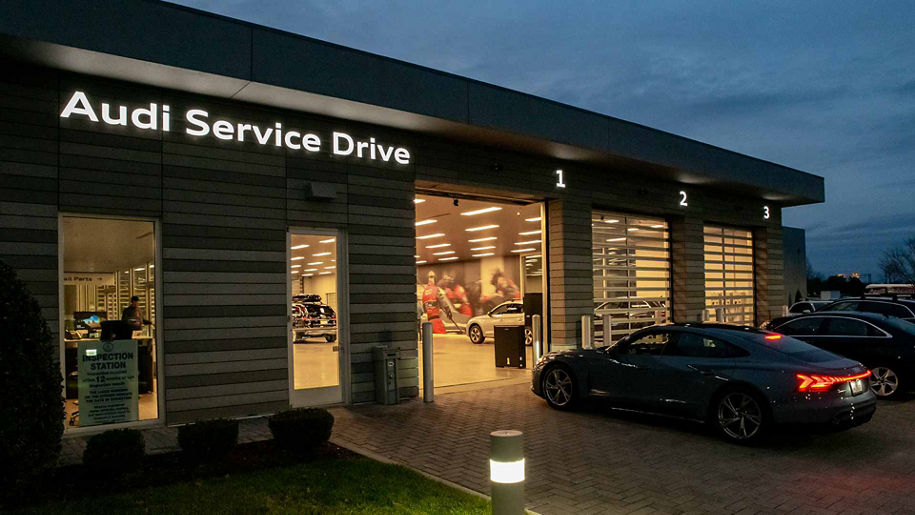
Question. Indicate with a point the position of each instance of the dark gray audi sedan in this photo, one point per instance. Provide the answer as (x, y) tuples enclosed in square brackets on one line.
[(740, 380)]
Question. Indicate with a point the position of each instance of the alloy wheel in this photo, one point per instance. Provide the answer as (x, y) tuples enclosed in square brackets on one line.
[(476, 334), (884, 382), (740, 416), (557, 386)]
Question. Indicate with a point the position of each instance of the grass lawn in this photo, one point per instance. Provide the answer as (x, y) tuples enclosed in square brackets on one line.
[(339, 485)]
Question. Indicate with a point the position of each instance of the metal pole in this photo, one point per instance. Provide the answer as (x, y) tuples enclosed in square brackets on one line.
[(506, 472), (537, 331), (608, 328), (428, 383), (587, 339)]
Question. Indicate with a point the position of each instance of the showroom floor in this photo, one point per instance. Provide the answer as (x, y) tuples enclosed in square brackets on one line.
[(316, 363), (459, 362)]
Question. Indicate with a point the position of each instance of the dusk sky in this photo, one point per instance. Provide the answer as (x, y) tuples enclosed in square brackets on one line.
[(824, 87)]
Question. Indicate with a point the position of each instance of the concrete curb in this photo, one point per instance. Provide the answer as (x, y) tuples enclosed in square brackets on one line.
[(383, 459)]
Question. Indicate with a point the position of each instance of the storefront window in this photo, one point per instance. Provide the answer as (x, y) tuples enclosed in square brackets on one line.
[(631, 258), (729, 275), (108, 346)]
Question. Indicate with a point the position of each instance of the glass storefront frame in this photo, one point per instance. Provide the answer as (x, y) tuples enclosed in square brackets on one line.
[(156, 317), (342, 392), (730, 274)]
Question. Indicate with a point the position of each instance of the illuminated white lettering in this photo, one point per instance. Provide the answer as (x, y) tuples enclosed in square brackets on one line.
[(279, 133), (191, 117), (311, 143), (402, 156), (166, 120), (288, 139), (339, 136), (151, 115), (385, 156), (262, 138), (120, 120), (79, 104), (242, 127), (223, 130), (359, 146)]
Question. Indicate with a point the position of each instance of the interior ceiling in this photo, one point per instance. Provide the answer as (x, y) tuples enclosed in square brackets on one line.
[(448, 220), (312, 255), (106, 245)]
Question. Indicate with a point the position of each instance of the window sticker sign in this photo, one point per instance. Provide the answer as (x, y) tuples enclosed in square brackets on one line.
[(107, 382)]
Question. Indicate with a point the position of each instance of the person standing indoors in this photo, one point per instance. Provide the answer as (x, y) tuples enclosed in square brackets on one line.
[(133, 315)]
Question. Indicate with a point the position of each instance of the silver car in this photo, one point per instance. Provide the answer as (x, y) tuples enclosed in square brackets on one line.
[(508, 313), (740, 380)]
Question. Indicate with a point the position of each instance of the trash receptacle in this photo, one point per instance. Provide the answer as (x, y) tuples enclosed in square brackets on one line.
[(386, 374), (509, 346)]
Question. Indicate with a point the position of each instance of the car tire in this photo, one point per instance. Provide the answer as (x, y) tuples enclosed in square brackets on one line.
[(330, 338), (528, 336), (558, 388), (475, 333), (885, 382), (740, 415)]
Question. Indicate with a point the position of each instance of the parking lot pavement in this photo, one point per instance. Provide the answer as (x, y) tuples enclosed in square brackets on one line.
[(598, 461)]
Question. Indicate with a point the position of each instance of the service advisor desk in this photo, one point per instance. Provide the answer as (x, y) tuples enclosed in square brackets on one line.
[(145, 371)]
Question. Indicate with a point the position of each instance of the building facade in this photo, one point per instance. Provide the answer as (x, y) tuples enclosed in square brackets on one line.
[(186, 159)]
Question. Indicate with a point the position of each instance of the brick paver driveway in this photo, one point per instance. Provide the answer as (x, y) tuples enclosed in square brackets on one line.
[(595, 461)]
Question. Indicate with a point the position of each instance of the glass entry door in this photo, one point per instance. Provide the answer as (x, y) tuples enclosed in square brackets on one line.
[(314, 320)]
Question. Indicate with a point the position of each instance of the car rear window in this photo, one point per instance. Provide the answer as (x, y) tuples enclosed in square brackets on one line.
[(792, 347)]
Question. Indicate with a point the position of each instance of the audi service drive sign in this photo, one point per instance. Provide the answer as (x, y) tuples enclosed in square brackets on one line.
[(107, 382)]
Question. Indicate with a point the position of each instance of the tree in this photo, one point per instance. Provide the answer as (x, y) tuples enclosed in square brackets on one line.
[(898, 264), (31, 408)]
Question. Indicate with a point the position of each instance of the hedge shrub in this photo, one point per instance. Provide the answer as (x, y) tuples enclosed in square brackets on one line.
[(31, 411), (209, 440), (115, 454), (301, 431)]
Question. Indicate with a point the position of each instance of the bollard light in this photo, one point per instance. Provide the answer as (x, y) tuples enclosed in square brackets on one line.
[(506, 471)]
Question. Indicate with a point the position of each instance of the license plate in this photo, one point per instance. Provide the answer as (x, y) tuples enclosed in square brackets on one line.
[(857, 386)]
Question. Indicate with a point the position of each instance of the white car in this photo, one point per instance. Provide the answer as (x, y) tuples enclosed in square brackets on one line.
[(508, 313)]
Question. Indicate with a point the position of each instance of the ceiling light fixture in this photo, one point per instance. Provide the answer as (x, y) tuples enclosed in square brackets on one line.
[(528, 233), (484, 248), (438, 245), (294, 272), (452, 258), (319, 254), (324, 273), (478, 240), (329, 240), (311, 270), (535, 219), (481, 211), (611, 221), (617, 239), (530, 242), (297, 258), (296, 266), (484, 255), (329, 267), (428, 236), (315, 263), (418, 200), (297, 247), (531, 249), (425, 222), (482, 228), (657, 226), (421, 262), (632, 229), (445, 253), (307, 275)]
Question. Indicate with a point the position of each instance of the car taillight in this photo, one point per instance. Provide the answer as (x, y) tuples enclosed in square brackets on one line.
[(819, 383)]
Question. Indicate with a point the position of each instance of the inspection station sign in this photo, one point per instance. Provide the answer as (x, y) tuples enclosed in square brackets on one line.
[(107, 382), (200, 123)]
